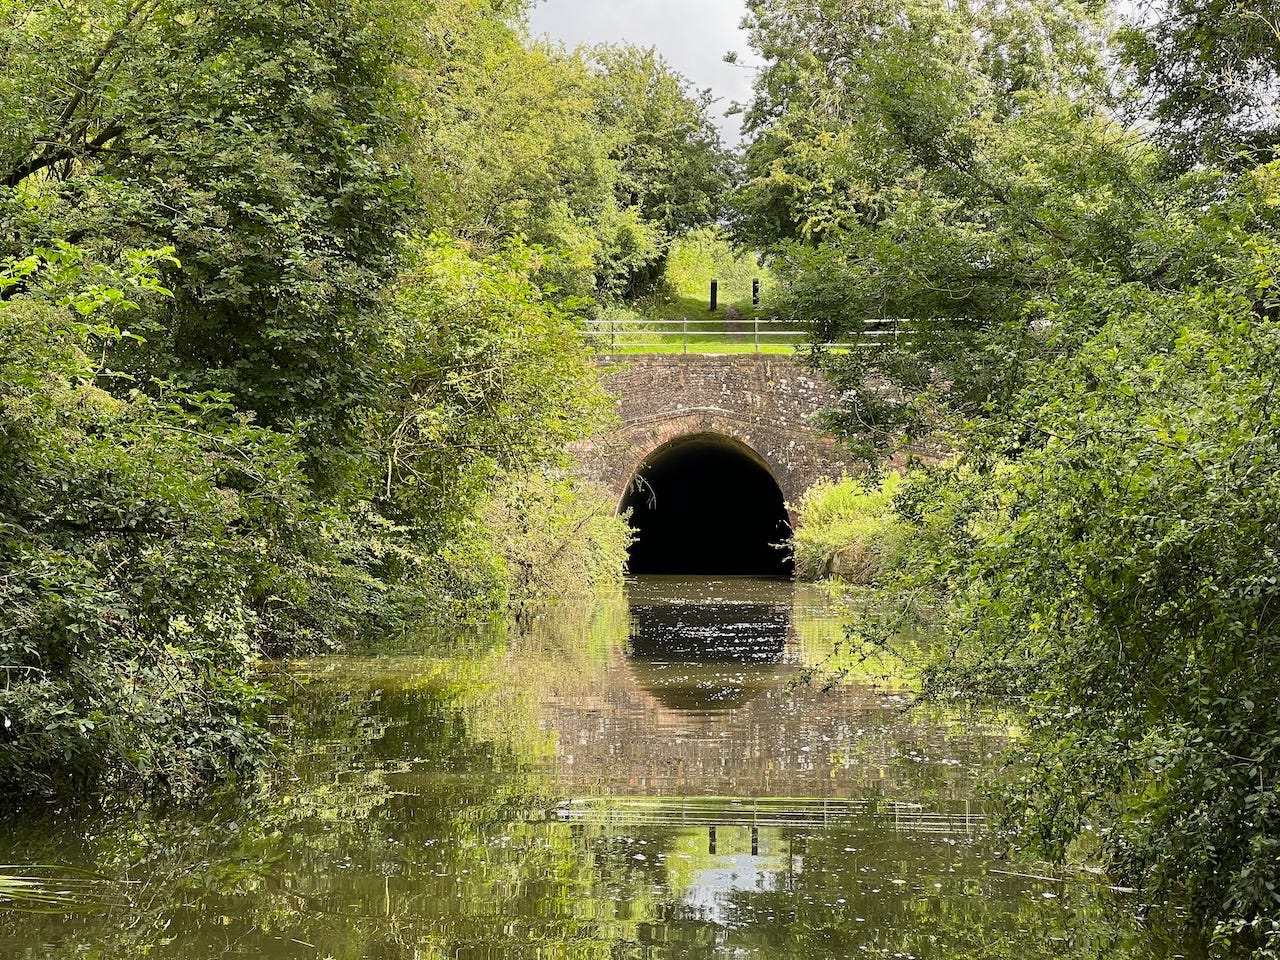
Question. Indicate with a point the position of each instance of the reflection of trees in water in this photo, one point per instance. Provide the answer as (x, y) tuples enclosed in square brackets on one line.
[(688, 696), (361, 849), (415, 814)]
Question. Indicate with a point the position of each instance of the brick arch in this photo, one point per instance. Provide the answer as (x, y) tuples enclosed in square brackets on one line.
[(765, 403), (693, 427)]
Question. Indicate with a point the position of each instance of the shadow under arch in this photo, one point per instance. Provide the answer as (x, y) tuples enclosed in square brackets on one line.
[(706, 504), (710, 655)]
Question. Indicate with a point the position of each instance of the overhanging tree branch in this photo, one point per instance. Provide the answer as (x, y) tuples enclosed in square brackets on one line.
[(69, 138)]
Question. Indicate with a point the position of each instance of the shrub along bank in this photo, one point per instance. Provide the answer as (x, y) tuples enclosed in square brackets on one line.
[(848, 530)]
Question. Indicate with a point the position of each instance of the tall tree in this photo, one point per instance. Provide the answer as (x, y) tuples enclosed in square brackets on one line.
[(246, 405), (1209, 70), (671, 165), (254, 139), (1094, 323), (671, 172), (504, 141), (938, 168)]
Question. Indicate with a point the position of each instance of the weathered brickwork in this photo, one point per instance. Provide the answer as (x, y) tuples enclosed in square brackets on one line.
[(761, 402)]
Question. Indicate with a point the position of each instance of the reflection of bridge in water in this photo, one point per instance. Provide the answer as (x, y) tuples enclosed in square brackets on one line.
[(702, 698), (790, 813)]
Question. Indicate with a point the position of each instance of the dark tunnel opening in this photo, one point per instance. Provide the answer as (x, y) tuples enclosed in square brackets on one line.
[(706, 505)]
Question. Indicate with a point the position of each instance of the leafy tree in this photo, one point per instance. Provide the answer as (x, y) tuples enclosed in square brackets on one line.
[(1106, 549), (1208, 69), (504, 142), (250, 137), (671, 169), (486, 378), (920, 169), (151, 546), (599, 155), (297, 440)]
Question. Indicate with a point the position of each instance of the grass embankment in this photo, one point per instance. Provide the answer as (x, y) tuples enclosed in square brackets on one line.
[(847, 530), (849, 537), (677, 316)]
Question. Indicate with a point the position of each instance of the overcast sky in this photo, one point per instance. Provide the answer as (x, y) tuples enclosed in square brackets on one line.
[(693, 35)]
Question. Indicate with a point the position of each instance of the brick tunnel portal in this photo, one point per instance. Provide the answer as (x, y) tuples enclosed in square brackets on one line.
[(707, 504)]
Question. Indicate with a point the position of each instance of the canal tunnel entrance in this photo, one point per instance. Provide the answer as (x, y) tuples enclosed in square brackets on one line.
[(705, 505)]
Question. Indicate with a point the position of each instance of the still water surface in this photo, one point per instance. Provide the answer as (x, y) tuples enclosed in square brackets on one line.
[(639, 777)]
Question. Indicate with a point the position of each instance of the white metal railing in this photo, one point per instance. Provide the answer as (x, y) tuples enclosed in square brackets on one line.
[(750, 334), (793, 812)]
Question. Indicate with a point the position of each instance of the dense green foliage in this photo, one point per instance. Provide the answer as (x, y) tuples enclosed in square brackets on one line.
[(1089, 319), (847, 529), (149, 542), (928, 169), (251, 138), (601, 157), (290, 346), (672, 173), (1116, 564)]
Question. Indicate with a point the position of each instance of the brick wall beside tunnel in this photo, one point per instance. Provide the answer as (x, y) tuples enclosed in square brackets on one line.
[(767, 402)]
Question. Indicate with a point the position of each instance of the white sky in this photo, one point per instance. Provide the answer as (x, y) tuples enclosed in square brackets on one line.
[(693, 35)]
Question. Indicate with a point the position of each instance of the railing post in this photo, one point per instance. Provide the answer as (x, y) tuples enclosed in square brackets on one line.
[(755, 323), (684, 336), (613, 335)]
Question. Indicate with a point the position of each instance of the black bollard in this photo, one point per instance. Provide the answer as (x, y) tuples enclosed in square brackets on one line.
[(715, 294)]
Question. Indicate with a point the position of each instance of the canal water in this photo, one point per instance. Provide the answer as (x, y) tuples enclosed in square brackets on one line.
[(641, 776)]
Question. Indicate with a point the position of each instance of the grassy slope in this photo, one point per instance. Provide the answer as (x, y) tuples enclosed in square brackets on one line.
[(677, 317)]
